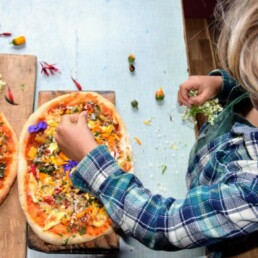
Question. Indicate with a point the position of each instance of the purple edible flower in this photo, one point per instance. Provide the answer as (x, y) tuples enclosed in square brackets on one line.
[(71, 164), (40, 126)]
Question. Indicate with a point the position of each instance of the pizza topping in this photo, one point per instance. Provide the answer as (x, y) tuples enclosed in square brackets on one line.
[(2, 169), (38, 127)]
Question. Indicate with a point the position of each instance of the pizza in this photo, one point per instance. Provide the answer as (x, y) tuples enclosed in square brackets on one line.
[(8, 157), (57, 212)]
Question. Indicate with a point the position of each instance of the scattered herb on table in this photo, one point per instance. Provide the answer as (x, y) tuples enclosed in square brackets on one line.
[(164, 168)]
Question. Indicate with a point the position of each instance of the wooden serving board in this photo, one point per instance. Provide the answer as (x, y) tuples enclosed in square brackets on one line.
[(16, 70), (104, 244)]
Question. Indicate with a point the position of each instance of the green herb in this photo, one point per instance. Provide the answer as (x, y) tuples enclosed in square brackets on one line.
[(61, 235), (164, 168), (66, 241), (22, 86), (82, 230)]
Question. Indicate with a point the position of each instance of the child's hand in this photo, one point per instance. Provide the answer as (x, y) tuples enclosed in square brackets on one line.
[(208, 87), (74, 137)]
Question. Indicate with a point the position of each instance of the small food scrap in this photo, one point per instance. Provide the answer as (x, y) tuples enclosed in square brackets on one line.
[(10, 98), (134, 104), (22, 86), (174, 147), (138, 141), (210, 109), (2, 83), (18, 41), (5, 34), (131, 68), (147, 122), (131, 59), (159, 94), (48, 69), (164, 168)]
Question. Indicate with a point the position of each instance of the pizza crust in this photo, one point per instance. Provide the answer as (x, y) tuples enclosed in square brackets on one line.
[(71, 98), (8, 181)]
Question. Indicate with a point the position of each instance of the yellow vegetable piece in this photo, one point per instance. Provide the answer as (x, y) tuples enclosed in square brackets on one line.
[(32, 152), (19, 41)]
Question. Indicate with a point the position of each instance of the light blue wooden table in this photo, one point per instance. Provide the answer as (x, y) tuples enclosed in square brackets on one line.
[(94, 38)]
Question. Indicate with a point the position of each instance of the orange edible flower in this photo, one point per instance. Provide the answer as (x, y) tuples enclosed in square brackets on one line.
[(159, 95), (18, 41)]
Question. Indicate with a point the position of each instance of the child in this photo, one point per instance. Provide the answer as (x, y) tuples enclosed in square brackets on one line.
[(222, 175)]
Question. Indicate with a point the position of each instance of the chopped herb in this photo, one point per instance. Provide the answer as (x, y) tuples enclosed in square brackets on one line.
[(164, 168), (22, 86), (61, 235), (66, 241), (82, 230)]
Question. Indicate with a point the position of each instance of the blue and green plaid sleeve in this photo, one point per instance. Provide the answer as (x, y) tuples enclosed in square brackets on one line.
[(208, 213), (230, 90)]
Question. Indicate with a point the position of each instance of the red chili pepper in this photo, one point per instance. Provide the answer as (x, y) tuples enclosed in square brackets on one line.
[(78, 85), (46, 68), (33, 171), (10, 98), (10, 95), (5, 34)]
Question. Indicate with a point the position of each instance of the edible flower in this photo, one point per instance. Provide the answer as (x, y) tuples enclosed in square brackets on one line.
[(210, 109), (159, 95), (18, 41), (70, 165), (131, 58), (41, 126)]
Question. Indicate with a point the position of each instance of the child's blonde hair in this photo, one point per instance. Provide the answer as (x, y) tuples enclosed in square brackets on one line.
[(238, 41)]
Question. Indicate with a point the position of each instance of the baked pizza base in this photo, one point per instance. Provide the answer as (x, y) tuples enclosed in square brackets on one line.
[(40, 113), (11, 169)]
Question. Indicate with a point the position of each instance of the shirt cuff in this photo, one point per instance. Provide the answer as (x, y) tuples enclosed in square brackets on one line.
[(228, 84), (94, 169)]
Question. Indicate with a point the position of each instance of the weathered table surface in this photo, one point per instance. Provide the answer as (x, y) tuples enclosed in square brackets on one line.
[(93, 39)]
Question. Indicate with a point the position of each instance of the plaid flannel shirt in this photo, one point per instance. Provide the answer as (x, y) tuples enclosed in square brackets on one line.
[(221, 202)]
